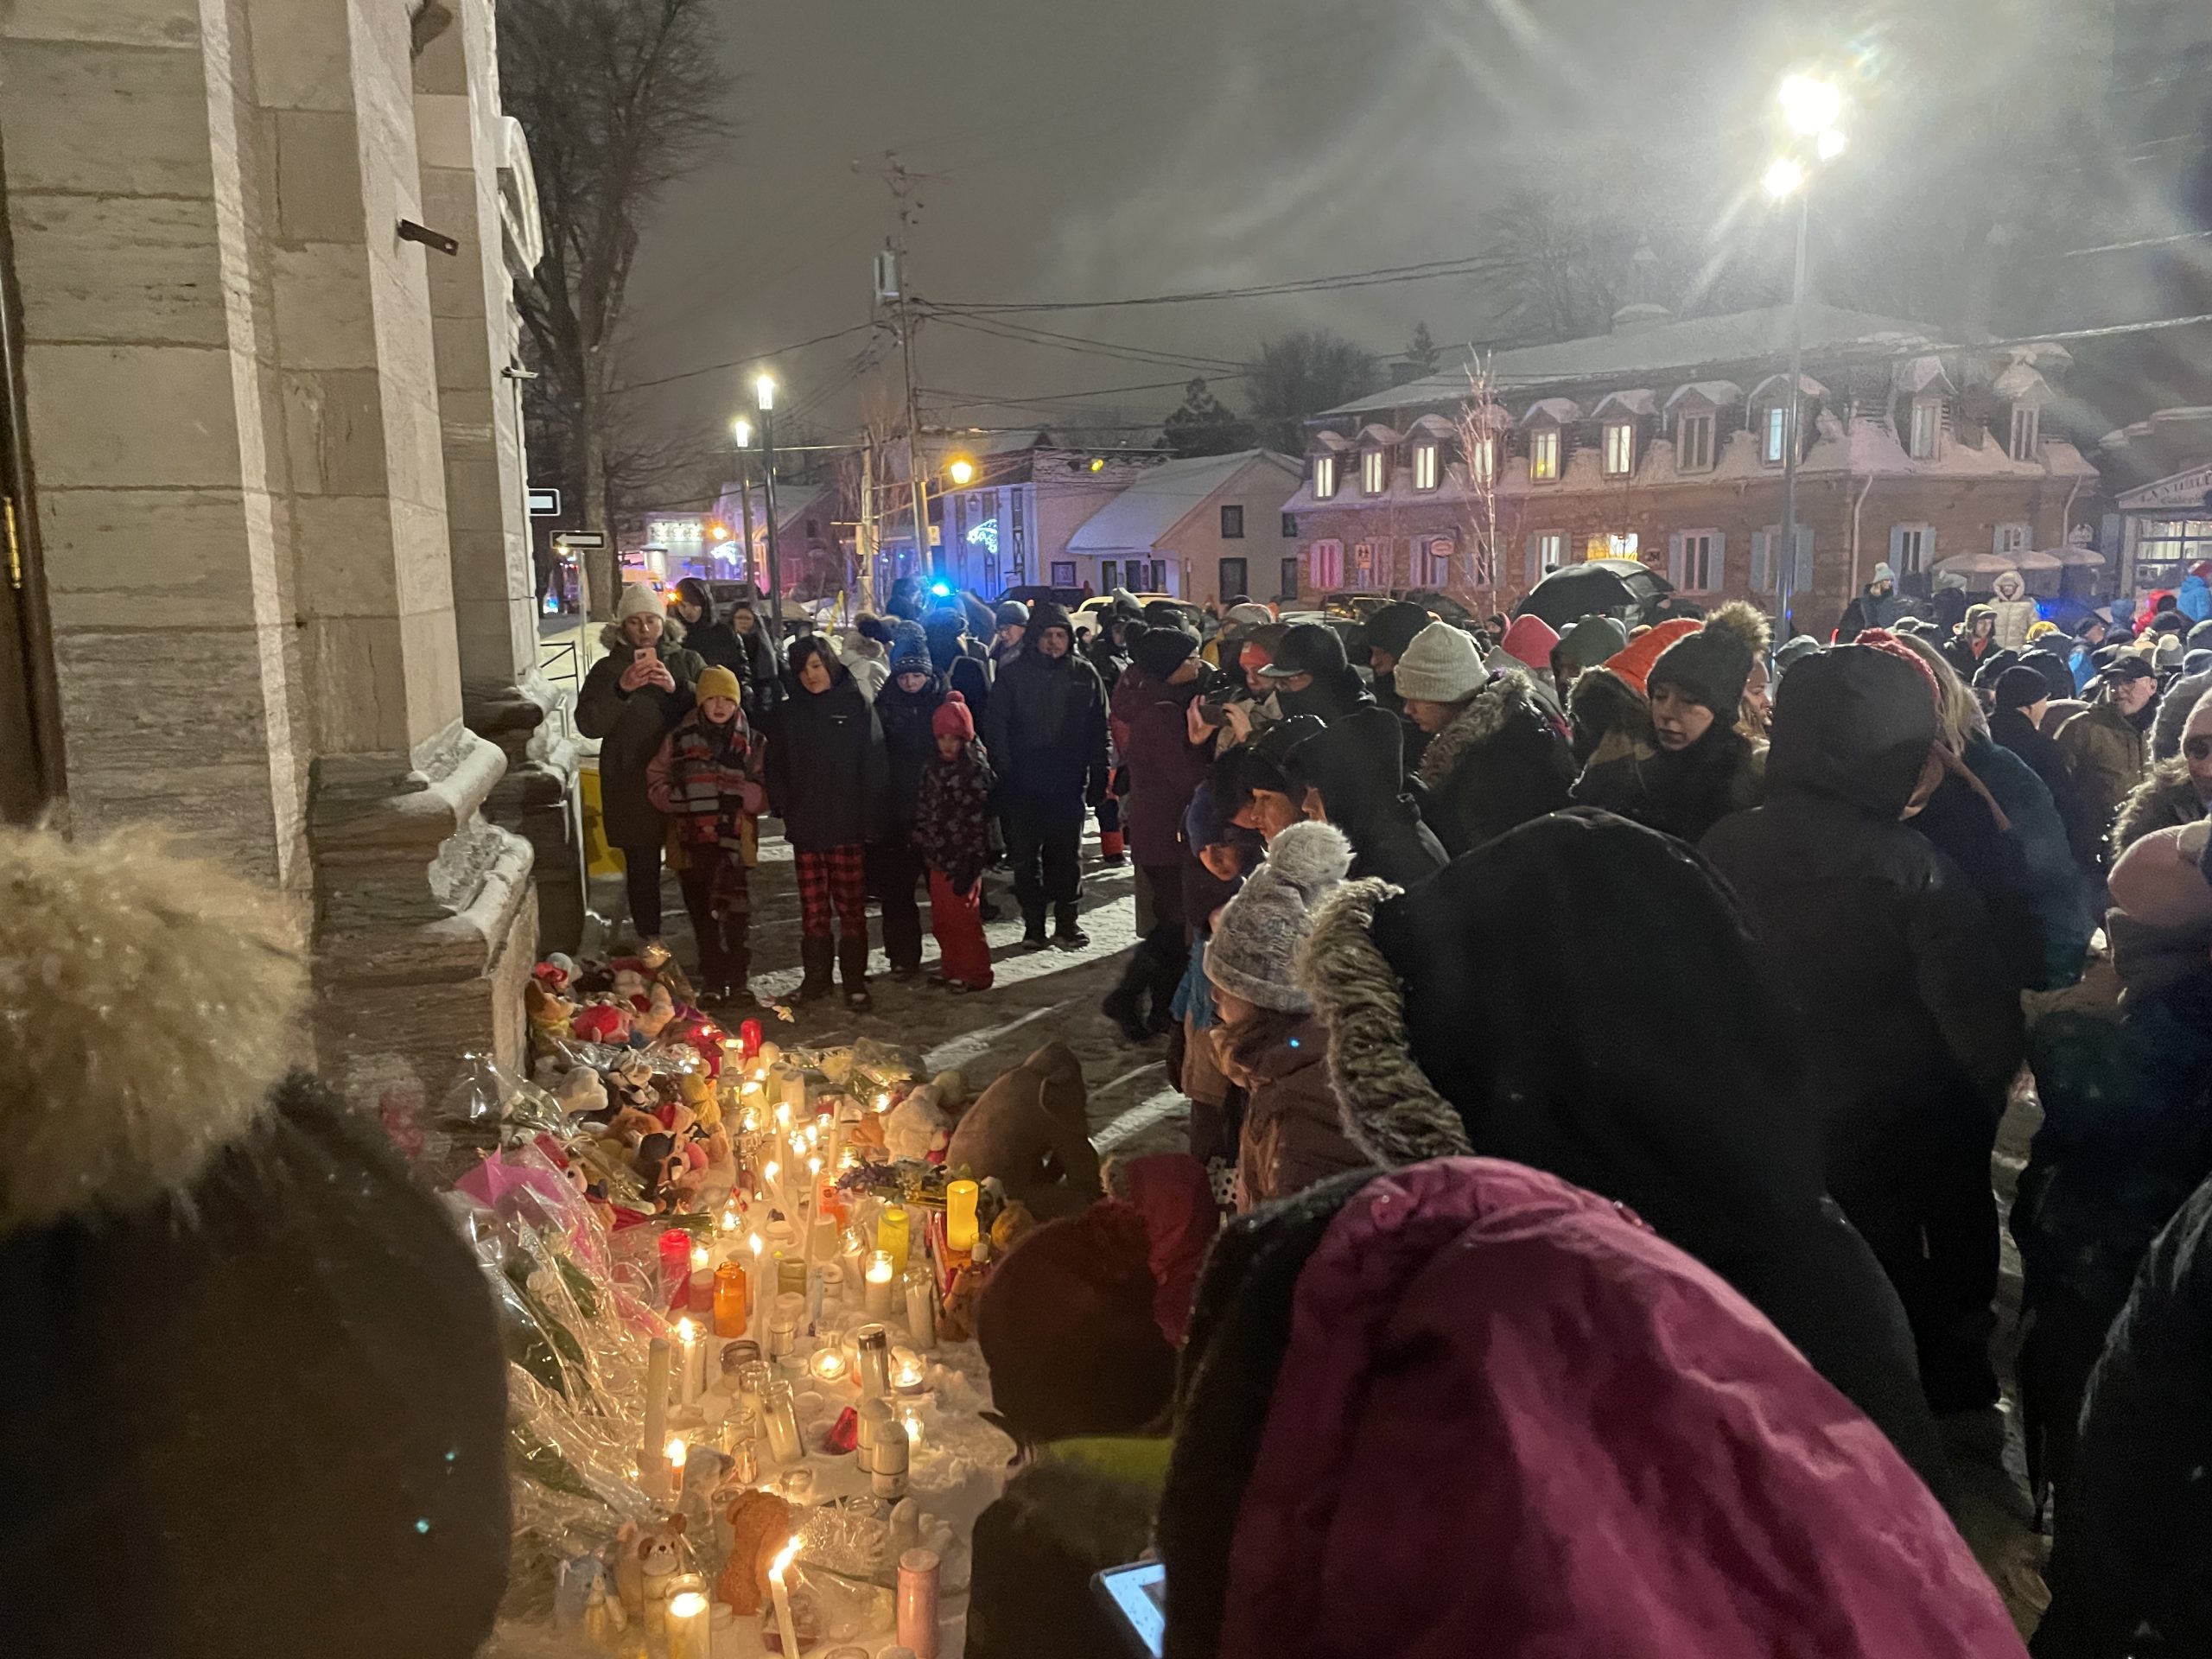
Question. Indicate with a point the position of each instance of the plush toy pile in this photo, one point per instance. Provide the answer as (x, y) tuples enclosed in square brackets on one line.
[(735, 1322)]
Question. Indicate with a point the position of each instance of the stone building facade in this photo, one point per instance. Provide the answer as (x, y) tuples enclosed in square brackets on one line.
[(1663, 441), (270, 496)]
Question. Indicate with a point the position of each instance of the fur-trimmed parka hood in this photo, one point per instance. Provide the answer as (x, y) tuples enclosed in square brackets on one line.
[(1507, 697), (2165, 797), (1610, 718)]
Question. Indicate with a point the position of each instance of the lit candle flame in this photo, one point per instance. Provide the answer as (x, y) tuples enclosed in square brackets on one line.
[(700, 1260), (756, 1245), (883, 1102), (783, 1115), (686, 1332), (676, 1453), (773, 1170), (784, 1558), (730, 1218), (689, 1604)]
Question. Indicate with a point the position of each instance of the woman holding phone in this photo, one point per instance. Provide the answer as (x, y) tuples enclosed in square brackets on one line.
[(631, 701)]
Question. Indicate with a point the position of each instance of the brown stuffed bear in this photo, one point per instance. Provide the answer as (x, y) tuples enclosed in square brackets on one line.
[(761, 1525)]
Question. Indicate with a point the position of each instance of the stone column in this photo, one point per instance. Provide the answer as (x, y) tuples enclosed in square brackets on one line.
[(425, 917), (478, 188)]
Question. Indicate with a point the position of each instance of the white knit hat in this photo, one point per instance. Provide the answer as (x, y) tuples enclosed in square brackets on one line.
[(639, 599), (1441, 665), (1255, 942)]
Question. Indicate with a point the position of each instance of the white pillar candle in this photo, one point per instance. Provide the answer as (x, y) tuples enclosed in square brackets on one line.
[(649, 1459), (690, 1631), (782, 1597), (921, 1306), (877, 1302), (757, 1291), (690, 1362)]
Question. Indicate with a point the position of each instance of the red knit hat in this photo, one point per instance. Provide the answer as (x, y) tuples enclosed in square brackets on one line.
[(1529, 640), (953, 719), (1882, 639), (1634, 665)]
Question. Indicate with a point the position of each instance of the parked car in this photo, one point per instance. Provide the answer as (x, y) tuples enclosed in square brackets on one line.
[(1066, 598), (1085, 615)]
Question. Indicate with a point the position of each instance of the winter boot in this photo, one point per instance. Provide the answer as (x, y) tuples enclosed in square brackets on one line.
[(852, 968), (1066, 933), (737, 958), (1125, 1004), (817, 957), (1032, 927), (1112, 849)]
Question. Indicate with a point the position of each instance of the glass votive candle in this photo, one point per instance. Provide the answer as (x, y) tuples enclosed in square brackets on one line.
[(881, 1270)]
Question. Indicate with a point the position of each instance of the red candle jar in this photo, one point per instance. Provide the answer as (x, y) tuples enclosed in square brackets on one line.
[(676, 1268), (748, 1037)]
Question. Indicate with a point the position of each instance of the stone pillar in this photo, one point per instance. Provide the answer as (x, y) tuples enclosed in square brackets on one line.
[(478, 188), (425, 919), (155, 426), (233, 417)]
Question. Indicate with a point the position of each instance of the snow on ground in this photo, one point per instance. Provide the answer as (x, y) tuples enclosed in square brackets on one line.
[(1038, 996)]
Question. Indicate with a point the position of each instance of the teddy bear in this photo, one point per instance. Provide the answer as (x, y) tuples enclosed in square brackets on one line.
[(549, 1013), (760, 1525), (647, 1555), (916, 1125), (582, 1093), (603, 1022), (660, 1009)]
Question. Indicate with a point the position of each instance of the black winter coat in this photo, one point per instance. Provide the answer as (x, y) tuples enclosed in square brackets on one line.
[(1912, 1015), (1681, 793), (2134, 1528), (908, 745), (630, 725), (2011, 729), (1354, 765), (1046, 729), (1499, 764), (828, 777)]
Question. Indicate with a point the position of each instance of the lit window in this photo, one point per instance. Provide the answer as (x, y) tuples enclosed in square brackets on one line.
[(1611, 547), (1325, 565), (1324, 477), (2011, 538), (1543, 454), (1483, 459), (2027, 424), (1701, 568), (1547, 553), (1424, 465), (1694, 443), (1370, 472), (1620, 449), (1927, 427), (1776, 439)]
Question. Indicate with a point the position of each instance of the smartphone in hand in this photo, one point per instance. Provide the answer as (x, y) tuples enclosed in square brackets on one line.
[(1135, 1598)]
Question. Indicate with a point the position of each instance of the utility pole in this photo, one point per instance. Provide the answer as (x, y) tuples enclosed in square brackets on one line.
[(866, 534), (766, 390), (1788, 561), (922, 554)]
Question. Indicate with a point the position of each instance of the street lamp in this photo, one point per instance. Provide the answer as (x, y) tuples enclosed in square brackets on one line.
[(1810, 108), (764, 395), (740, 431), (960, 471)]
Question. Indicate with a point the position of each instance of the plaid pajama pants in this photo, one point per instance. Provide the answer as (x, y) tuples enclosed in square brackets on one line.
[(833, 881)]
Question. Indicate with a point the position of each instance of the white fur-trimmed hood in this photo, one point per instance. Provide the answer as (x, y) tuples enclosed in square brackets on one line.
[(148, 1005)]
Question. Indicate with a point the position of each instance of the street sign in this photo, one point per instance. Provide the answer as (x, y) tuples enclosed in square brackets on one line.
[(580, 538), (545, 504)]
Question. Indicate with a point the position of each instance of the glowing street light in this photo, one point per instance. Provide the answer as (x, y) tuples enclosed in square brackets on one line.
[(1783, 178), (742, 429), (1809, 104), (763, 392), (1830, 144), (962, 471)]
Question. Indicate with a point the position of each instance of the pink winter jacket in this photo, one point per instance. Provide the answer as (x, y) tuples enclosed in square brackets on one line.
[(1513, 1422)]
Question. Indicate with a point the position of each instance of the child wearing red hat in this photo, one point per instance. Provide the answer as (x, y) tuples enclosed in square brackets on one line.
[(952, 834)]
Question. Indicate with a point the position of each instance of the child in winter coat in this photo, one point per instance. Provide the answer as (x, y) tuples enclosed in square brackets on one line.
[(1269, 1043), (952, 832), (707, 779), (833, 801)]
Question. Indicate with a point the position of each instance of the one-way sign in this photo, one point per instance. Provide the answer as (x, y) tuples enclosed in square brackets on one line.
[(545, 504), (580, 538)]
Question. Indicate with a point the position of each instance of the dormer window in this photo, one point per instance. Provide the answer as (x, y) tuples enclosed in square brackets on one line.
[(1370, 472), (1482, 459), (1693, 444), (1927, 427), (1774, 435), (1620, 449), (2027, 431), (1543, 454), (1425, 466), (1324, 477)]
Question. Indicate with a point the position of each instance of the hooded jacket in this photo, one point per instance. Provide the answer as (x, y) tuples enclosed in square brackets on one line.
[(1573, 1439), (1164, 768), (630, 725), (2175, 707), (1679, 792), (1697, 1112), (1499, 763), (2015, 611), (764, 685), (1356, 766), (1913, 1016), (828, 778), (712, 638), (249, 1361), (1045, 728), (1292, 1135), (2011, 729), (2109, 752), (1870, 610)]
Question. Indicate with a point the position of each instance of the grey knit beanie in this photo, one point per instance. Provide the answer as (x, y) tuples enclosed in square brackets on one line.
[(1441, 665), (1255, 943)]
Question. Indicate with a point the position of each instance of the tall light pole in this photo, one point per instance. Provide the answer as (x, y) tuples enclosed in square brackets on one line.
[(764, 389), (1809, 107), (741, 430)]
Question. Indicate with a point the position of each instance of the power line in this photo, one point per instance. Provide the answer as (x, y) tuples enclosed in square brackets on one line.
[(741, 362), (1027, 336), (1465, 265)]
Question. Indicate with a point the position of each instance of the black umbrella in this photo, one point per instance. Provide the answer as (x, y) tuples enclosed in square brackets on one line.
[(1599, 588)]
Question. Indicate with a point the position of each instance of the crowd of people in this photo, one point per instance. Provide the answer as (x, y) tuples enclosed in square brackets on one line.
[(1744, 939)]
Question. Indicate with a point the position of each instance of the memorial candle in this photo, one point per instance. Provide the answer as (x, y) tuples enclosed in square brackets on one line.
[(690, 1631), (691, 1361), (702, 1297), (756, 1292), (960, 1201), (782, 1597), (732, 1312), (657, 1363), (880, 1272), (892, 1235)]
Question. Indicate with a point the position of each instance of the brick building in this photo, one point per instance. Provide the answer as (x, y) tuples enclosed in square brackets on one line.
[(1663, 440)]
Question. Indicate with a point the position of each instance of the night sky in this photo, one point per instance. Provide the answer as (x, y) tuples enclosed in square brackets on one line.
[(1082, 151)]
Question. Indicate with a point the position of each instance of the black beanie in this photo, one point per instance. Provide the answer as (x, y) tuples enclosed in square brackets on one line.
[(2020, 687), (1160, 652), (1710, 666)]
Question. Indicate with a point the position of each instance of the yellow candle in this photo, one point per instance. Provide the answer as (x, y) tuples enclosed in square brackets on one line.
[(891, 1234), (960, 1200)]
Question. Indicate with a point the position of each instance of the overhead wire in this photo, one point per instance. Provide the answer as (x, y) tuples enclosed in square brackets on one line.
[(741, 362)]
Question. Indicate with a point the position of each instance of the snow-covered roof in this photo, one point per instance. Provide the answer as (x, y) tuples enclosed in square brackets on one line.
[(1432, 426), (1650, 353), (1333, 443), (1564, 411), (1718, 393), (1376, 432), (1807, 386), (1135, 520), (2020, 384), (1638, 401), (1916, 374)]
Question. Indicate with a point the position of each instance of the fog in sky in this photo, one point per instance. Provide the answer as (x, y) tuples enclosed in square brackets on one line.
[(1079, 151)]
